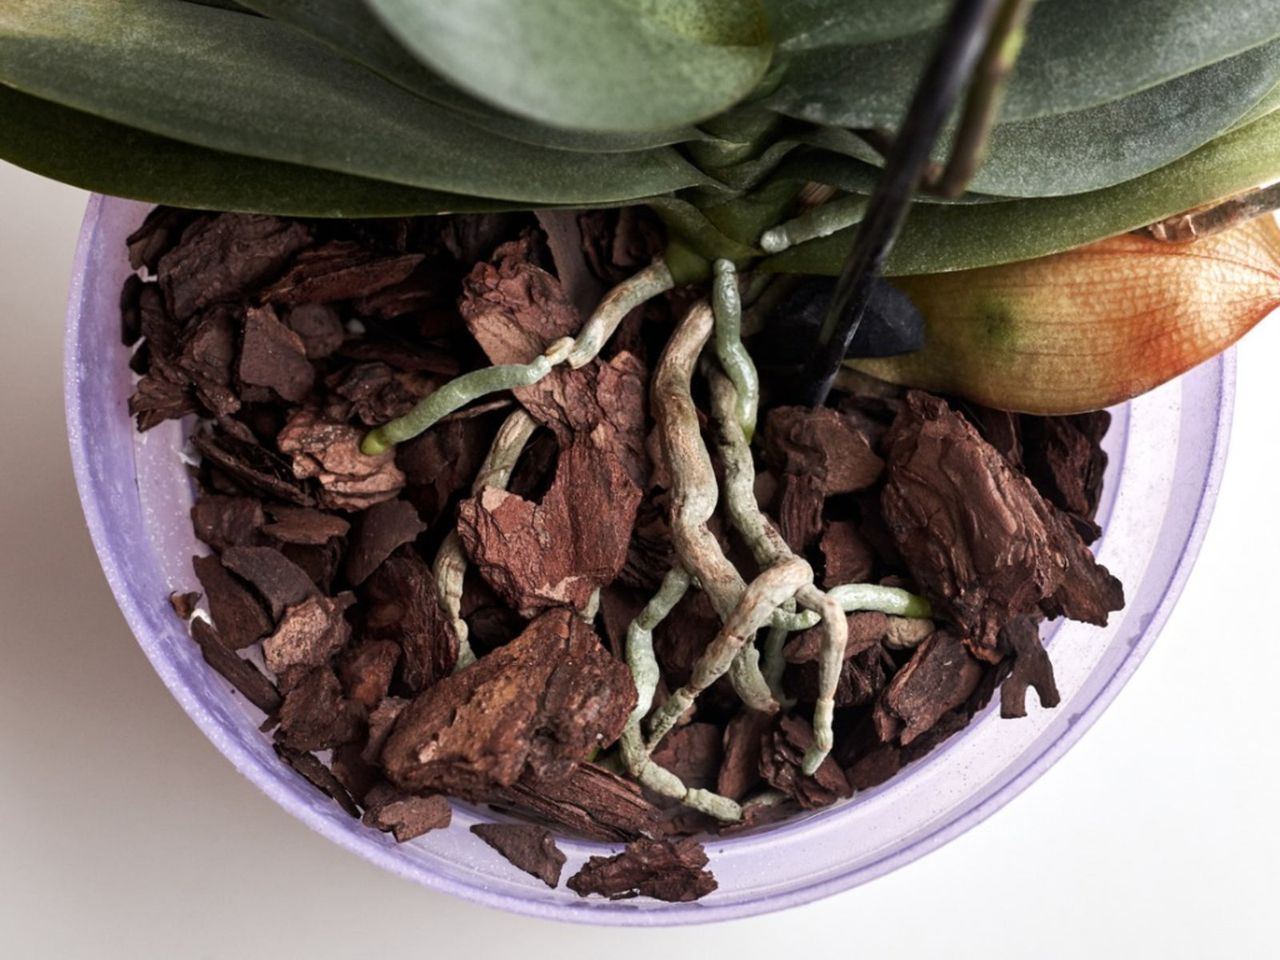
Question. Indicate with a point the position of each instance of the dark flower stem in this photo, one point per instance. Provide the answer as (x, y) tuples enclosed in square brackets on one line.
[(965, 36)]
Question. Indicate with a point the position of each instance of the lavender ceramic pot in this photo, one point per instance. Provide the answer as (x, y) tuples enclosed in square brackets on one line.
[(1167, 450)]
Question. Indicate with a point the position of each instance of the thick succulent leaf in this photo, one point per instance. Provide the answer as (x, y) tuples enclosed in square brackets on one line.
[(96, 154), (1090, 327), (1078, 54), (250, 86), (939, 238), (351, 29), (1105, 145), (1268, 104), (614, 65), (808, 24)]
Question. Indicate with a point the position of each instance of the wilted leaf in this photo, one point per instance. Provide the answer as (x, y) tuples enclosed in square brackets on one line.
[(1090, 327), (941, 237), (250, 86)]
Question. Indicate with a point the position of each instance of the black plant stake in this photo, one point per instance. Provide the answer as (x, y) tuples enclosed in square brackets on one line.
[(986, 31)]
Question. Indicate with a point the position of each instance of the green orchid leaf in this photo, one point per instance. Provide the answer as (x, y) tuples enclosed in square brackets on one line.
[(1078, 54), (250, 86), (1268, 104), (938, 238), (349, 28), (1095, 148), (1102, 146), (96, 154), (809, 24), (603, 65)]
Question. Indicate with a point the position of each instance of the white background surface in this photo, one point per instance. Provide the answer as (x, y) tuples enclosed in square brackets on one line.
[(124, 834)]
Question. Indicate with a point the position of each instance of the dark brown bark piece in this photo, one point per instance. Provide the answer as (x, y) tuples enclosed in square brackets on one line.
[(225, 257), (381, 719), (443, 462), (404, 815), (875, 767), (280, 582), (1066, 462), (319, 328), (525, 846), (862, 677), (184, 604), (939, 677), (208, 357), (661, 869), (163, 394), (252, 465), (866, 629), (303, 526), (240, 673), (539, 704), (591, 802), (618, 607), (352, 772), (401, 606), (309, 767), (824, 444), (315, 716), (1001, 429), (976, 536), (375, 393), (401, 353), (693, 753), (650, 554), (339, 270), (330, 453), (470, 237), (224, 522), (159, 232), (782, 752), (740, 769), (367, 670), (847, 558), (558, 552), (682, 637), (130, 313), (158, 327), (379, 531), (513, 307), (1031, 669), (242, 621), (309, 633), (800, 501), (274, 356)]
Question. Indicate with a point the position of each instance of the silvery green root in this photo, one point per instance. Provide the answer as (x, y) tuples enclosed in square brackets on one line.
[(458, 392), (694, 491), (726, 304), (645, 672)]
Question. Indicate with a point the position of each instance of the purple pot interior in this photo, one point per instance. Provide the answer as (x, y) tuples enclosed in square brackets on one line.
[(1167, 450)]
